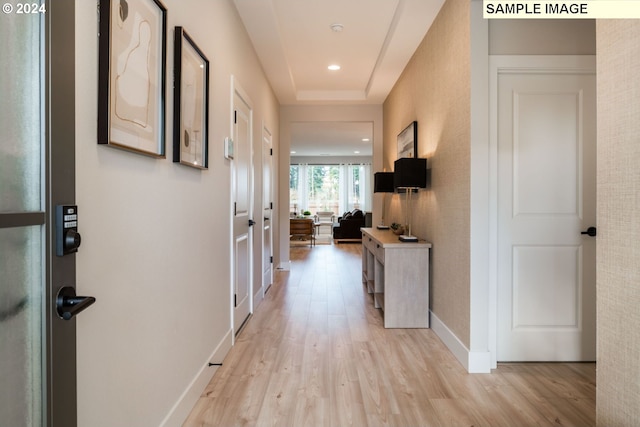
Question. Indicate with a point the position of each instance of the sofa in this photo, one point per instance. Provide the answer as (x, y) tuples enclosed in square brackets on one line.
[(347, 229)]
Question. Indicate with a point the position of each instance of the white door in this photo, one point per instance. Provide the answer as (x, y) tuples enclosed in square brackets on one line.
[(242, 203), (267, 208), (546, 197)]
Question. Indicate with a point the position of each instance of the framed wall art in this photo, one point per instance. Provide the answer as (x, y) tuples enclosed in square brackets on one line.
[(131, 75), (408, 141), (190, 103)]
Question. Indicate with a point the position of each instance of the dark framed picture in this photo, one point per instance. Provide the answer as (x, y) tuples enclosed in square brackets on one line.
[(190, 103), (408, 141), (132, 75)]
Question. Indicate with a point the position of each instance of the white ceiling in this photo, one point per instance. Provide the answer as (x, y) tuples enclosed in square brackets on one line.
[(295, 44), (331, 139)]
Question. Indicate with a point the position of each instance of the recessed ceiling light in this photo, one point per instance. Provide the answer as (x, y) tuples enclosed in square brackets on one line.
[(334, 67), (365, 140), (356, 152), (293, 152)]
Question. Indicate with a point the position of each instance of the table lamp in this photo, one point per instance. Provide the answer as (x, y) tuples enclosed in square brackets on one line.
[(383, 183), (409, 174)]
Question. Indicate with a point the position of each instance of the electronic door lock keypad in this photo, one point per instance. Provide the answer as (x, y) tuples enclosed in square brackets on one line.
[(67, 237)]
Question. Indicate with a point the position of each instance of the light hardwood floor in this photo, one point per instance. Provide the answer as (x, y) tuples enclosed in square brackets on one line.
[(315, 353)]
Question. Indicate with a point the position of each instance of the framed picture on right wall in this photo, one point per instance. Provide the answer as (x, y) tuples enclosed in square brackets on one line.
[(408, 141)]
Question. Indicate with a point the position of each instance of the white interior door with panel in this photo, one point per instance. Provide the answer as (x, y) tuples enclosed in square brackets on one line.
[(242, 207), (546, 154)]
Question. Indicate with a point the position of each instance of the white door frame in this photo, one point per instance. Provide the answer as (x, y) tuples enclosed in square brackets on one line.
[(574, 64), (267, 140)]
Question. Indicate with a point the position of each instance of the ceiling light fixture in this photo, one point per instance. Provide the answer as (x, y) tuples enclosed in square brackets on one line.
[(334, 67), (365, 140), (336, 28)]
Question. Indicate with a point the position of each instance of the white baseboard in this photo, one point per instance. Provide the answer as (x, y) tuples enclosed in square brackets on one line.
[(183, 407), (286, 266), (257, 298), (479, 362), (473, 361)]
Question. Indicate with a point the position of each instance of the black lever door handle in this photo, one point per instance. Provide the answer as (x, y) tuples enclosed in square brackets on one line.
[(591, 231), (251, 223), (68, 304)]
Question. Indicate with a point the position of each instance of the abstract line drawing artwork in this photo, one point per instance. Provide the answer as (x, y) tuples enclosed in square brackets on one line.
[(190, 102), (131, 111), (133, 82)]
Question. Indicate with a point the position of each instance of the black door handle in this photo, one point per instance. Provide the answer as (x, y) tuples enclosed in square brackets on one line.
[(251, 223), (591, 231), (68, 304)]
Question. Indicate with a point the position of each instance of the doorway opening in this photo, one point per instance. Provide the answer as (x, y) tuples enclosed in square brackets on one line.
[(329, 173)]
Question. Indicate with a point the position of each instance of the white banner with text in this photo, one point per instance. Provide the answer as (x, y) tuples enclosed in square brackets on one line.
[(588, 9)]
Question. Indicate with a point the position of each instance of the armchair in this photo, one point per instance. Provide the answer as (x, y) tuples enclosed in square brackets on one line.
[(324, 218)]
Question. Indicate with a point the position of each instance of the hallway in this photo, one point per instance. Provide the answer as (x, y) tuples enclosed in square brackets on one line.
[(315, 354)]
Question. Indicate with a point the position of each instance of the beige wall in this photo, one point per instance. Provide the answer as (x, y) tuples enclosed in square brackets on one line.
[(618, 265), (434, 89), (156, 235), (542, 37)]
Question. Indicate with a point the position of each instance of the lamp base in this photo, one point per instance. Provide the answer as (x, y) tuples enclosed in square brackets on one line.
[(382, 227), (405, 238)]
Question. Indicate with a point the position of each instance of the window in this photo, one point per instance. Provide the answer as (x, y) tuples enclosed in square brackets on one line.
[(329, 188), (294, 174), (356, 196)]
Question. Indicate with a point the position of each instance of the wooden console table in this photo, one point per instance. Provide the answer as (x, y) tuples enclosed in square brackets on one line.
[(397, 274)]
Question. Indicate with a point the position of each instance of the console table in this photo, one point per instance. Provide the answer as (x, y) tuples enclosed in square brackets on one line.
[(397, 274)]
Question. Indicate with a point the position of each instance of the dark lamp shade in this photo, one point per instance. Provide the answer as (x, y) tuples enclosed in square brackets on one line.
[(410, 173), (383, 182)]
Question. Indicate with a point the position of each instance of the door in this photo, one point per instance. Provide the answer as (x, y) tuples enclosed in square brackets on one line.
[(242, 207), (267, 209), (546, 198), (37, 172)]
